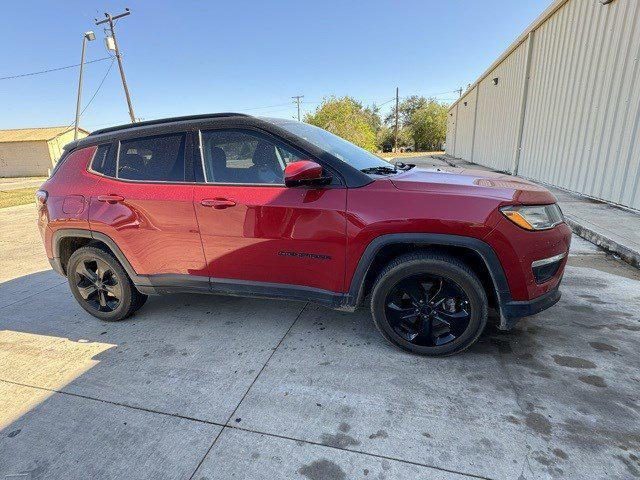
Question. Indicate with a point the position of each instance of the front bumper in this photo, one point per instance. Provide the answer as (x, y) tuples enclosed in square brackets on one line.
[(514, 310)]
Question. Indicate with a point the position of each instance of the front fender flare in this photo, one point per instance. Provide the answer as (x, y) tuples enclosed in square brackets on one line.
[(483, 249)]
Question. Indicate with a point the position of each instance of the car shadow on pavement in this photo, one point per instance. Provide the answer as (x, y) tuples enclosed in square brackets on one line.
[(81, 396), (28, 286)]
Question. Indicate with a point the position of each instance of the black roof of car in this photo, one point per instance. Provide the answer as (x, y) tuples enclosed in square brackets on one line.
[(160, 121), (351, 176)]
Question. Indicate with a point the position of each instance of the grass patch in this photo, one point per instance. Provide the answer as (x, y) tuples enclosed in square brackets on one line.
[(19, 196)]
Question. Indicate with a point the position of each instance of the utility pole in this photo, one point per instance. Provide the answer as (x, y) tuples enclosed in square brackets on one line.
[(395, 134), (297, 99), (110, 18), (90, 36), (459, 91)]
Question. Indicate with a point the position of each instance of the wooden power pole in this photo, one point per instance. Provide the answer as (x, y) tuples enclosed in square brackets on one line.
[(110, 18), (395, 134), (297, 99)]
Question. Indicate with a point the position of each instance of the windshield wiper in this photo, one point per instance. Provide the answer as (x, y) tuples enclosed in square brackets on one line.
[(404, 166), (379, 170)]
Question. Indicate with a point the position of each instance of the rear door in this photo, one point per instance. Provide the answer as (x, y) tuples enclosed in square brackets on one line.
[(145, 204), (257, 230)]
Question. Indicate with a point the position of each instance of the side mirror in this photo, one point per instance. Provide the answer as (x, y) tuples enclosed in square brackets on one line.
[(304, 173)]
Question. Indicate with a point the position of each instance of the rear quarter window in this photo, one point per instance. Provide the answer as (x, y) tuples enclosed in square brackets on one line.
[(104, 161)]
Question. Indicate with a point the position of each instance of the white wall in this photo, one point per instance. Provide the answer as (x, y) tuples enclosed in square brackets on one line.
[(24, 159), (464, 127), (451, 132), (499, 113), (581, 124)]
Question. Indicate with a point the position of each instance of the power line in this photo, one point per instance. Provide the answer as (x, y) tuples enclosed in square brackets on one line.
[(53, 69), (385, 102), (266, 106), (99, 87), (97, 90)]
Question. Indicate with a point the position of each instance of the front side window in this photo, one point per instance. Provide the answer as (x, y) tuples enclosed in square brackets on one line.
[(242, 157), (344, 150), (159, 158)]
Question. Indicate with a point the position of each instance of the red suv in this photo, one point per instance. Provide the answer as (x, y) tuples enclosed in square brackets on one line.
[(237, 205)]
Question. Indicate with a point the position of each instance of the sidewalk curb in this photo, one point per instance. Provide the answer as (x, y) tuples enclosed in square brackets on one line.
[(632, 257), (628, 255)]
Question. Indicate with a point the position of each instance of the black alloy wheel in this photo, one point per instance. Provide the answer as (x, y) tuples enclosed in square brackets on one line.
[(101, 285), (429, 303), (98, 285), (428, 310)]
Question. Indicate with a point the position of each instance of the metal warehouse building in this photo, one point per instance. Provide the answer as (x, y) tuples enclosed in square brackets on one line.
[(562, 104)]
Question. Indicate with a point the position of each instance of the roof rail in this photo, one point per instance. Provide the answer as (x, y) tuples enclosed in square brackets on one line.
[(160, 121)]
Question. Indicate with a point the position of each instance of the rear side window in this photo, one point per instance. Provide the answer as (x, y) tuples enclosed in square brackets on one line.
[(104, 162), (159, 158)]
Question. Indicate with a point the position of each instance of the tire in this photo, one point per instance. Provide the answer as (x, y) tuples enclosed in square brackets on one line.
[(103, 289), (141, 300), (418, 320)]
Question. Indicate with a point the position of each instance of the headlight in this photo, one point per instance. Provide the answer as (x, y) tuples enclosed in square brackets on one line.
[(534, 217)]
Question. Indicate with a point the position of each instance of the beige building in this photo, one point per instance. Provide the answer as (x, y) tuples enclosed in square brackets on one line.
[(32, 152), (562, 104)]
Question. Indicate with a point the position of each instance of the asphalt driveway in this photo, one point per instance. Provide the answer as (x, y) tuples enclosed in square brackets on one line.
[(214, 387)]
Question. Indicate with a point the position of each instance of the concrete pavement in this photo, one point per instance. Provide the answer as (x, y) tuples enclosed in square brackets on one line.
[(213, 387)]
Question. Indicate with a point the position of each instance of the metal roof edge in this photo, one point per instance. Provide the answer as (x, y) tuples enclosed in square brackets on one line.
[(68, 130), (542, 18)]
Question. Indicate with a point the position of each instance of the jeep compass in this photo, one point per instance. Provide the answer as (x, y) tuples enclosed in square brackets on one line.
[(238, 205)]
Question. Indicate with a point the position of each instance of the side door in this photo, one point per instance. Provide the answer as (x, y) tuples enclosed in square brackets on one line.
[(253, 228), (144, 203)]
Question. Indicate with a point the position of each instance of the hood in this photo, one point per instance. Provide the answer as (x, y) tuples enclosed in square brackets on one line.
[(473, 182)]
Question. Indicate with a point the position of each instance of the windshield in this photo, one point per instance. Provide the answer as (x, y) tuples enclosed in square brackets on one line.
[(346, 151)]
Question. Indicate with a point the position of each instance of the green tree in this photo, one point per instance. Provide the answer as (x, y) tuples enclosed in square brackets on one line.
[(347, 118), (428, 126), (406, 109), (422, 122), (386, 138)]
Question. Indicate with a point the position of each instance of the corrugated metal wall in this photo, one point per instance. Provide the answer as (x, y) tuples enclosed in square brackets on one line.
[(582, 113), (464, 125), (498, 113), (451, 132)]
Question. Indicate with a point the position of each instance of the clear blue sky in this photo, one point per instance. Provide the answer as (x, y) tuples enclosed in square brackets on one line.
[(193, 57)]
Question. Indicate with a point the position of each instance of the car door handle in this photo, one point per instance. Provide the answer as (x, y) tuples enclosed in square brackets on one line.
[(218, 203), (110, 198)]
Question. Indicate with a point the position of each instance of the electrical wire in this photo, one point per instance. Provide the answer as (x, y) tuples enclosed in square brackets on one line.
[(53, 69), (266, 106), (99, 86), (113, 59)]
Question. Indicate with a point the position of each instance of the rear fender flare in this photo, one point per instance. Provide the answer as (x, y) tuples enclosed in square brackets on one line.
[(62, 233)]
